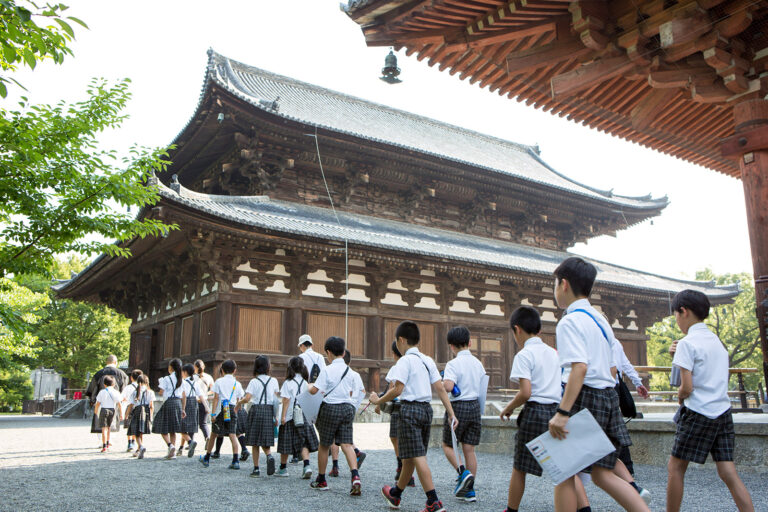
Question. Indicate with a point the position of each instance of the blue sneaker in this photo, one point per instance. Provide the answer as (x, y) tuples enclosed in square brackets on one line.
[(470, 496), (463, 483), (234, 465), (204, 462)]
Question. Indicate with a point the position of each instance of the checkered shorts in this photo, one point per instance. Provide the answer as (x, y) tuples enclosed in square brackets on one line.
[(468, 430), (394, 419), (532, 421), (190, 423), (413, 429), (334, 423), (697, 436), (105, 417), (168, 417), (242, 421), (261, 426), (295, 437), (224, 428), (604, 406)]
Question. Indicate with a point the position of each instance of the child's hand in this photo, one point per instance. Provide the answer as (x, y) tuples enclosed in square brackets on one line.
[(282, 420), (377, 410), (183, 414), (557, 426), (505, 414), (374, 399), (673, 347)]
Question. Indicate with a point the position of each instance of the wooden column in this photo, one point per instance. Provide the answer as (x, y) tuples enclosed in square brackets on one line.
[(293, 329), (223, 339)]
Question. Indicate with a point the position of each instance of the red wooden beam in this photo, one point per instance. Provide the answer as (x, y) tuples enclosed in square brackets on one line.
[(750, 140), (589, 75)]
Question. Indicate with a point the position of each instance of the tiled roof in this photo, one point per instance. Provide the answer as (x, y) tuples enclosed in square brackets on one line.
[(263, 213), (341, 113)]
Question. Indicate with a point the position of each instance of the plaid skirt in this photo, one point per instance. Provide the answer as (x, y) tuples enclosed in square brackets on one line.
[(697, 436), (468, 430), (532, 421), (140, 422), (261, 426), (604, 406), (413, 429), (105, 417), (168, 417), (189, 424), (334, 423), (224, 428), (293, 438), (394, 419), (242, 421)]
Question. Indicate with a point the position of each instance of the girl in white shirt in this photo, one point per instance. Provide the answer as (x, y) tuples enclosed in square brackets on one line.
[(191, 394), (260, 432), (168, 417), (294, 439), (203, 408), (142, 399), (127, 392)]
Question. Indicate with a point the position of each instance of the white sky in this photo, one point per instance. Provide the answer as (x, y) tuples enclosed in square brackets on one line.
[(161, 46)]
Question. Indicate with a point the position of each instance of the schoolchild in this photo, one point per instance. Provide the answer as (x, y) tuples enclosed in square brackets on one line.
[(394, 416), (462, 378), (191, 395), (338, 384), (297, 435), (314, 362), (140, 420), (415, 376), (359, 455), (167, 421), (227, 392), (260, 432), (129, 390), (536, 370), (107, 409), (205, 382), (705, 424), (584, 346)]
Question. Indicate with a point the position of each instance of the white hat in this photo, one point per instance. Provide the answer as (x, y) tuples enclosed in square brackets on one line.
[(304, 338)]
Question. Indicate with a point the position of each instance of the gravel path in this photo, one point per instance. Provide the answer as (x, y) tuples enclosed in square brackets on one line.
[(53, 464)]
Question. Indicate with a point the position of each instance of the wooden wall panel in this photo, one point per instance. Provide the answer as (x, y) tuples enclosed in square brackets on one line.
[(322, 326), (170, 331), (259, 330), (187, 333), (207, 328), (427, 332)]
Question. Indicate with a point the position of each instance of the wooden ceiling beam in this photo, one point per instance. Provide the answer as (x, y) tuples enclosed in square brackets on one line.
[(411, 38), (684, 29), (676, 78), (502, 36), (399, 13), (521, 62), (588, 75), (650, 107)]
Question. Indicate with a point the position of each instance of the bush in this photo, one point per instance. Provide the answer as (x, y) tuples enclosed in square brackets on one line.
[(15, 387)]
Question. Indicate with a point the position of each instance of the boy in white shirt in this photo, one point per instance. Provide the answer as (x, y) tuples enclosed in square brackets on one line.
[(360, 455), (107, 409), (340, 389), (462, 377), (314, 362), (226, 390), (705, 423), (415, 376), (536, 369), (584, 346)]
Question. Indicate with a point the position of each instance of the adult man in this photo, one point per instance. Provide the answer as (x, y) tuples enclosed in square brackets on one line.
[(97, 384), (310, 357)]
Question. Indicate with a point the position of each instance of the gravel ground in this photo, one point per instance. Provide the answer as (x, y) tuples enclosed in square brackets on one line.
[(53, 464)]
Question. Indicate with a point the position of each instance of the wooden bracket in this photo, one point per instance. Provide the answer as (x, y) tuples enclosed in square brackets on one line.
[(754, 139)]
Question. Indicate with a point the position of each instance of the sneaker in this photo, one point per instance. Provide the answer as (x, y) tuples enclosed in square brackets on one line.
[(334, 472), (435, 507), (284, 472), (215, 455), (234, 465), (306, 473), (204, 462), (646, 495), (255, 473), (171, 453), (142, 451), (469, 496), (412, 482), (320, 486), (103, 449), (270, 466), (295, 460), (360, 458), (357, 487), (463, 483), (191, 452), (391, 500), (129, 449), (136, 453), (109, 445), (244, 455)]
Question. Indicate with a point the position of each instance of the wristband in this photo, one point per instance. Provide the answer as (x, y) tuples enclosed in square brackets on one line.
[(563, 412)]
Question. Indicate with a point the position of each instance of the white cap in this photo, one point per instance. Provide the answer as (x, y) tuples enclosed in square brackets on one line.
[(304, 338)]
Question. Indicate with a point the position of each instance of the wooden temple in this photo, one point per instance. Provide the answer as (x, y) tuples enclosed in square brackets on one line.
[(684, 77), (429, 222)]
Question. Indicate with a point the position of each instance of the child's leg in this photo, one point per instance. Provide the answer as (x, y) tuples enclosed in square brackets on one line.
[(185, 437), (235, 444), (516, 489), (139, 438), (266, 449), (322, 459), (675, 483), (450, 455), (219, 442), (622, 471), (565, 496), (166, 438), (582, 501), (104, 435), (173, 438), (305, 454), (283, 459), (470, 458), (210, 444), (349, 453), (393, 440), (335, 452), (623, 493), (727, 472)]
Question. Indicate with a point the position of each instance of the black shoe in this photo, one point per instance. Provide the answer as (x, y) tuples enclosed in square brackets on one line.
[(215, 455), (360, 458), (295, 460), (244, 455), (270, 466)]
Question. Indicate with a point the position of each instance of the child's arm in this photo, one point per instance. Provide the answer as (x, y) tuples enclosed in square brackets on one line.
[(183, 404), (286, 402), (96, 408), (246, 398), (686, 385), (572, 390), (215, 403), (393, 392), (520, 398), (443, 394)]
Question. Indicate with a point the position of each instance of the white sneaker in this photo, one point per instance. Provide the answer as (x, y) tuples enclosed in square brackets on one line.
[(171, 453), (306, 474)]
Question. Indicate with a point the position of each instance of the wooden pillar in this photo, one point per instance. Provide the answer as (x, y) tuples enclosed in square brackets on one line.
[(224, 332), (294, 327), (376, 345)]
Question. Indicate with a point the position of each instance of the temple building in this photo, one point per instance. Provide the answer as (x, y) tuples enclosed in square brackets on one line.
[(428, 221)]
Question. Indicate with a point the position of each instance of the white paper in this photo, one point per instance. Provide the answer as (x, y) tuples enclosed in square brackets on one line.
[(585, 444), (483, 393), (310, 404), (456, 447)]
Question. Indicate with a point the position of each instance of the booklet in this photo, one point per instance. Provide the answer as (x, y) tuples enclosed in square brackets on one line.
[(585, 444)]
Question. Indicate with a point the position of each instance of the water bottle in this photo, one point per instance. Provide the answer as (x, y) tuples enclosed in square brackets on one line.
[(225, 409), (674, 376), (455, 391), (277, 431)]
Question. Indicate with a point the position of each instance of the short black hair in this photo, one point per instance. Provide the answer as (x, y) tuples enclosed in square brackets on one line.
[(261, 365), (395, 350), (335, 345), (527, 319), (108, 381), (189, 369), (695, 302), (135, 374), (458, 336), (580, 275), (408, 330), (228, 367), (347, 356)]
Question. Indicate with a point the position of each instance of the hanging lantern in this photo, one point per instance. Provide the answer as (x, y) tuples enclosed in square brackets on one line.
[(390, 71)]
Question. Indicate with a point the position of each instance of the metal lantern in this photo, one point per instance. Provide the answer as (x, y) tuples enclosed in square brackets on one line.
[(390, 71)]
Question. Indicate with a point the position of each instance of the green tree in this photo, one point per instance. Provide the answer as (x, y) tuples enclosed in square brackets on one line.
[(15, 387)]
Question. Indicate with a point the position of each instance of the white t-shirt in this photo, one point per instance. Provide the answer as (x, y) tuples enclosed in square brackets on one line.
[(417, 372), (108, 398), (193, 389), (310, 358), (224, 388), (703, 354), (467, 372), (290, 390), (342, 391), (580, 340), (538, 362), (205, 381), (168, 385), (256, 389)]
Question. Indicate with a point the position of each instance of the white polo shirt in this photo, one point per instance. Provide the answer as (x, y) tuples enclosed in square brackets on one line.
[(467, 372), (256, 389), (168, 385), (108, 398), (580, 340), (539, 363), (342, 391), (310, 358), (192, 388), (227, 388), (417, 372), (145, 396), (703, 354), (290, 390)]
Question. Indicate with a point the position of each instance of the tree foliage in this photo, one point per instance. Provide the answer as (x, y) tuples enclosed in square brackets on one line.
[(18, 343), (15, 387)]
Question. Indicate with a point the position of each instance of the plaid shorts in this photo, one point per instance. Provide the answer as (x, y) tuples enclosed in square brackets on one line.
[(413, 429), (294, 437), (105, 417), (242, 421), (168, 418), (697, 436), (261, 426), (394, 419), (224, 428), (334, 423), (604, 406), (532, 421), (468, 431)]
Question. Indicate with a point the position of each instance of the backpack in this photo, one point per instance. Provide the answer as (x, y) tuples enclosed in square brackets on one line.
[(314, 373)]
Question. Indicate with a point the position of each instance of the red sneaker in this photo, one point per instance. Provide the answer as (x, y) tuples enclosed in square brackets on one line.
[(357, 487), (334, 472), (391, 500), (320, 486), (103, 449), (435, 507)]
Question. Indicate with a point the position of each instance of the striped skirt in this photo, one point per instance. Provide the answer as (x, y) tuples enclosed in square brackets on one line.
[(260, 430), (168, 418)]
